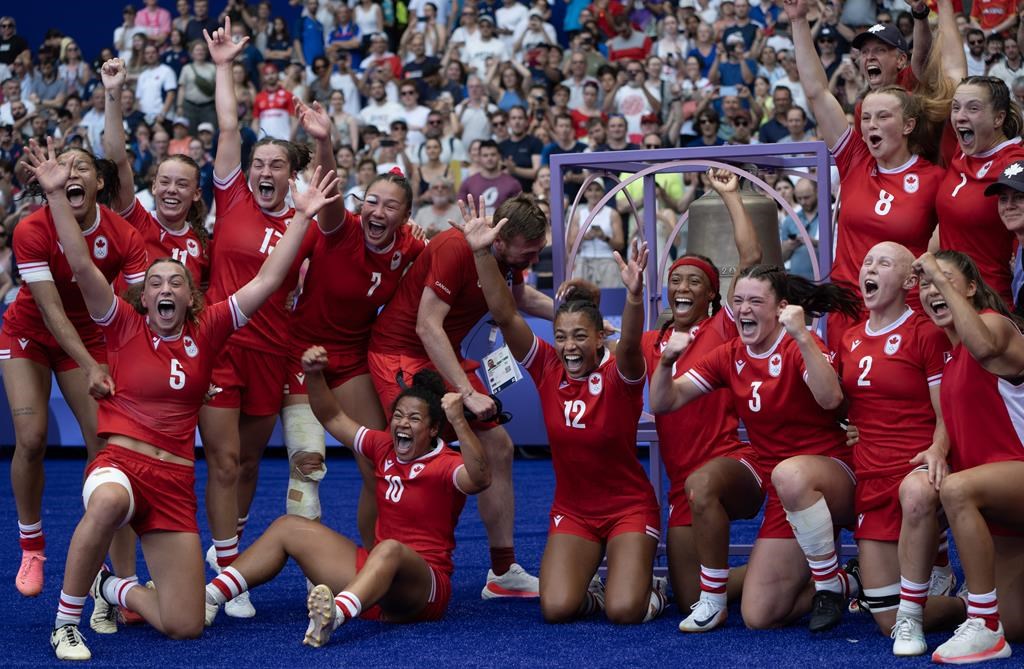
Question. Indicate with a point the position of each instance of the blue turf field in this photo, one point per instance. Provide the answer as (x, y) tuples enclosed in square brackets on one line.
[(474, 634)]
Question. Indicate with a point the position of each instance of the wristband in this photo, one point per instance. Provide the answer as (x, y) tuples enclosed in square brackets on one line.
[(921, 16)]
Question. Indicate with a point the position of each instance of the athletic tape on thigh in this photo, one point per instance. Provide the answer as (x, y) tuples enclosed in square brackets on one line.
[(881, 599), (103, 475)]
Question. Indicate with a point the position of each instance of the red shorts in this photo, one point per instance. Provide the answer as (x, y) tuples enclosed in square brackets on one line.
[(437, 603), (251, 380), (775, 525), (385, 368), (342, 366), (646, 520), (679, 514), (163, 493), (45, 350), (879, 514)]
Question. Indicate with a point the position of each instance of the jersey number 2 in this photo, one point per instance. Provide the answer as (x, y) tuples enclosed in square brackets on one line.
[(375, 278), (177, 379), (864, 364)]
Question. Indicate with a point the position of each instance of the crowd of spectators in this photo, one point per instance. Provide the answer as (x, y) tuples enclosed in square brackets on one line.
[(467, 97)]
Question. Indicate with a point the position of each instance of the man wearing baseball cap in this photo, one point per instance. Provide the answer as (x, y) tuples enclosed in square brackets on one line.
[(1009, 188)]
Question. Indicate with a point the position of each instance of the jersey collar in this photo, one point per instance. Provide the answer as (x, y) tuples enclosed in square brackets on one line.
[(761, 356), (896, 170), (95, 224), (997, 148), (438, 447), (890, 327)]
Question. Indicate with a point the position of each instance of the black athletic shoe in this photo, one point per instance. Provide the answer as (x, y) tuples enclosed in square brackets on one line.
[(857, 603), (826, 610)]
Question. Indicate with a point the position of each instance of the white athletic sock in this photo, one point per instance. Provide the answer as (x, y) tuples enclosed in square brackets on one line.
[(69, 610), (712, 585), (226, 550), (912, 598), (347, 605), (228, 585), (115, 590)]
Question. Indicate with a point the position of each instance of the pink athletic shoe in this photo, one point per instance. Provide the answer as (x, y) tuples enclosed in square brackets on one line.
[(29, 580)]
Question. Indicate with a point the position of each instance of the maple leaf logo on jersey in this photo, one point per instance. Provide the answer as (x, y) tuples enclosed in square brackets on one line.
[(854, 345), (23, 342), (192, 246), (99, 248), (892, 344), (740, 364), (558, 519), (775, 364), (595, 383), (1013, 170), (396, 260), (191, 350), (416, 469), (910, 183), (984, 169), (388, 464)]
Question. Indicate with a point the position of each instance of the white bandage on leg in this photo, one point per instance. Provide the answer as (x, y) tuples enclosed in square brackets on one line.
[(303, 434), (103, 475), (813, 529)]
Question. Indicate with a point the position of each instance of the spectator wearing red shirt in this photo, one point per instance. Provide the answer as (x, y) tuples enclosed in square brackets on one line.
[(628, 44)]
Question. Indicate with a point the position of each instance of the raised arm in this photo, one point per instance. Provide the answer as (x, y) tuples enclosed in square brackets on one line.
[(323, 189), (954, 60), (991, 339), (922, 39), (668, 394), (821, 376), (317, 124), (223, 52), (114, 75), (322, 401), (53, 177), (475, 475), (628, 356), (480, 235), (828, 112), (727, 185)]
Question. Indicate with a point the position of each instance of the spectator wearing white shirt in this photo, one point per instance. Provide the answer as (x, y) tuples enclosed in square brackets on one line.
[(478, 52), (379, 112), (1011, 66), (472, 115), (974, 50), (156, 87), (510, 17), (124, 33), (532, 34)]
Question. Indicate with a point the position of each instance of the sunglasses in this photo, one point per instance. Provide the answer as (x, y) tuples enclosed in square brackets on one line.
[(652, 146), (11, 25), (975, 42), (408, 92), (741, 121), (498, 124), (434, 122), (706, 121)]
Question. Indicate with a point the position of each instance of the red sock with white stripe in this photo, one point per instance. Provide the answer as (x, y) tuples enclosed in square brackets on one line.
[(984, 606), (227, 551), (115, 590), (712, 585), (31, 536), (912, 599), (346, 605), (69, 610), (228, 585)]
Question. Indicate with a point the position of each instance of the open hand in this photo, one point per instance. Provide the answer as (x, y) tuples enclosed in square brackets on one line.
[(314, 120), (322, 190), (223, 49), (478, 231), (51, 175), (632, 273)]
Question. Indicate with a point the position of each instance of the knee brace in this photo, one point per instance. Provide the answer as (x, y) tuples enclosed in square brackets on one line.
[(877, 600), (303, 434), (103, 475)]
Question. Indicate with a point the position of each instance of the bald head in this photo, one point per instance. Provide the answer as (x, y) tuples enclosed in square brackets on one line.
[(806, 195), (900, 254)]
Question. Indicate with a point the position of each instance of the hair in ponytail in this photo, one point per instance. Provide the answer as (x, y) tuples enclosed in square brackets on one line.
[(299, 155), (428, 386), (816, 299)]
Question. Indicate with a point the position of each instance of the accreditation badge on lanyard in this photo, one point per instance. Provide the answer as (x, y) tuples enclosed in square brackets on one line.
[(501, 369)]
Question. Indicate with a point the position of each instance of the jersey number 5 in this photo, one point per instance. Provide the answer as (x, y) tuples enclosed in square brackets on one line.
[(574, 410), (177, 379), (395, 489)]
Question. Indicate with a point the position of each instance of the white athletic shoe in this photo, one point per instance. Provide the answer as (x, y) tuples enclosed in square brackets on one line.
[(908, 637), (942, 582), (240, 606), (516, 582), (104, 616), (706, 615), (68, 644), (211, 559), (210, 614), (323, 616), (972, 642)]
